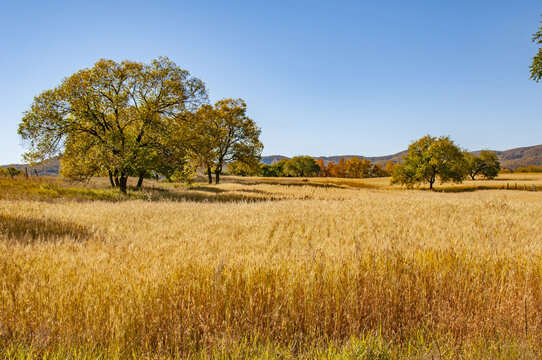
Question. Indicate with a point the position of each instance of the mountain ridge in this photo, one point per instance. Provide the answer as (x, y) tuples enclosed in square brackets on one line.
[(510, 159)]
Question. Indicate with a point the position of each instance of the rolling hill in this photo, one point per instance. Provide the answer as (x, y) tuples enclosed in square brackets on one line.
[(510, 159)]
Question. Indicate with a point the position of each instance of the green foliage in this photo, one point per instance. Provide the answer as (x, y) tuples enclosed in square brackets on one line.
[(12, 171), (486, 164), (301, 166), (111, 118), (273, 170), (536, 65), (429, 158), (492, 166)]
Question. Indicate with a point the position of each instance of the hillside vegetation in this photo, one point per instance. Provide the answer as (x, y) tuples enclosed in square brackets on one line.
[(510, 159), (261, 268)]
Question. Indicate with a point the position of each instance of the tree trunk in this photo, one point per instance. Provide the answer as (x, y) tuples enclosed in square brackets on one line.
[(217, 176), (116, 178), (123, 183), (210, 174), (140, 180), (111, 179), (431, 182)]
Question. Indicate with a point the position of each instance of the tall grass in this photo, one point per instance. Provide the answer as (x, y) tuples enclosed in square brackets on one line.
[(288, 272)]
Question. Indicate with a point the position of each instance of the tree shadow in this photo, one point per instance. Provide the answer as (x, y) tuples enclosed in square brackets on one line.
[(210, 189), (208, 195), (289, 183), (461, 189), (28, 230)]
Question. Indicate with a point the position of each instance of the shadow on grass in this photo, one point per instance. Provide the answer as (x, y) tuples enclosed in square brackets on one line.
[(289, 183), (207, 198), (26, 230), (462, 189)]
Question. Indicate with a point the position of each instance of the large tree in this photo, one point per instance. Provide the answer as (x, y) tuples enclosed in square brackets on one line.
[(428, 159), (112, 118), (224, 133)]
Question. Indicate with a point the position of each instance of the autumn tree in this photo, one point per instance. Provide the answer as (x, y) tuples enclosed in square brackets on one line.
[(111, 119), (323, 171), (341, 169), (357, 168), (301, 166), (226, 134), (388, 168), (332, 169), (428, 159)]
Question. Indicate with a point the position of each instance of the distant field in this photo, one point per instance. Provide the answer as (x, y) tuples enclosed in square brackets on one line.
[(513, 181), (271, 269)]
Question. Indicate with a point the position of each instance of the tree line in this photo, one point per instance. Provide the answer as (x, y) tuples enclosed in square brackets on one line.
[(428, 159), (131, 119), (307, 166)]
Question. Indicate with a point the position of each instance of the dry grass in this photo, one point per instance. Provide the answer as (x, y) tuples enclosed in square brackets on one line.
[(266, 270)]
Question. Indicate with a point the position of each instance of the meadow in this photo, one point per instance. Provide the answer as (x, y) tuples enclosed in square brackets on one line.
[(271, 269)]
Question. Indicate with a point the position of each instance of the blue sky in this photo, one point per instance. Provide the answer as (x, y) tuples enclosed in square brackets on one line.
[(319, 77)]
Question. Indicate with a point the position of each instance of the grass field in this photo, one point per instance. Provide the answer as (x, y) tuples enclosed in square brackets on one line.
[(271, 269)]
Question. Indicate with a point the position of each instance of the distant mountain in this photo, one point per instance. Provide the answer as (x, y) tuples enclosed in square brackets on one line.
[(520, 157), (327, 159), (271, 159), (510, 159), (49, 167)]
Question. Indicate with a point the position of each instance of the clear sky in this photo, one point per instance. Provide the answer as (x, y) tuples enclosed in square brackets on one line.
[(319, 77)]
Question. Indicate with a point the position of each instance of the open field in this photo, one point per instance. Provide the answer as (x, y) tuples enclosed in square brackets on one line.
[(271, 268)]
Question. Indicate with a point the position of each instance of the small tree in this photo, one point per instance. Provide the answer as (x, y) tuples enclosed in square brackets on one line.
[(474, 165), (492, 166), (12, 171), (429, 158), (486, 164), (300, 166)]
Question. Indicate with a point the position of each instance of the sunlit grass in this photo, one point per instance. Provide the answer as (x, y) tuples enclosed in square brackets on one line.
[(269, 271)]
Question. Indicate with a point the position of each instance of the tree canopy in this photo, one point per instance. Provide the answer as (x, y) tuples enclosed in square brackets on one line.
[(486, 164), (429, 158), (536, 65), (110, 118), (224, 134), (133, 119), (300, 166)]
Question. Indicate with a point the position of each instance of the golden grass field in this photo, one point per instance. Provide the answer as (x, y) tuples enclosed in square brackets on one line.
[(271, 269)]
